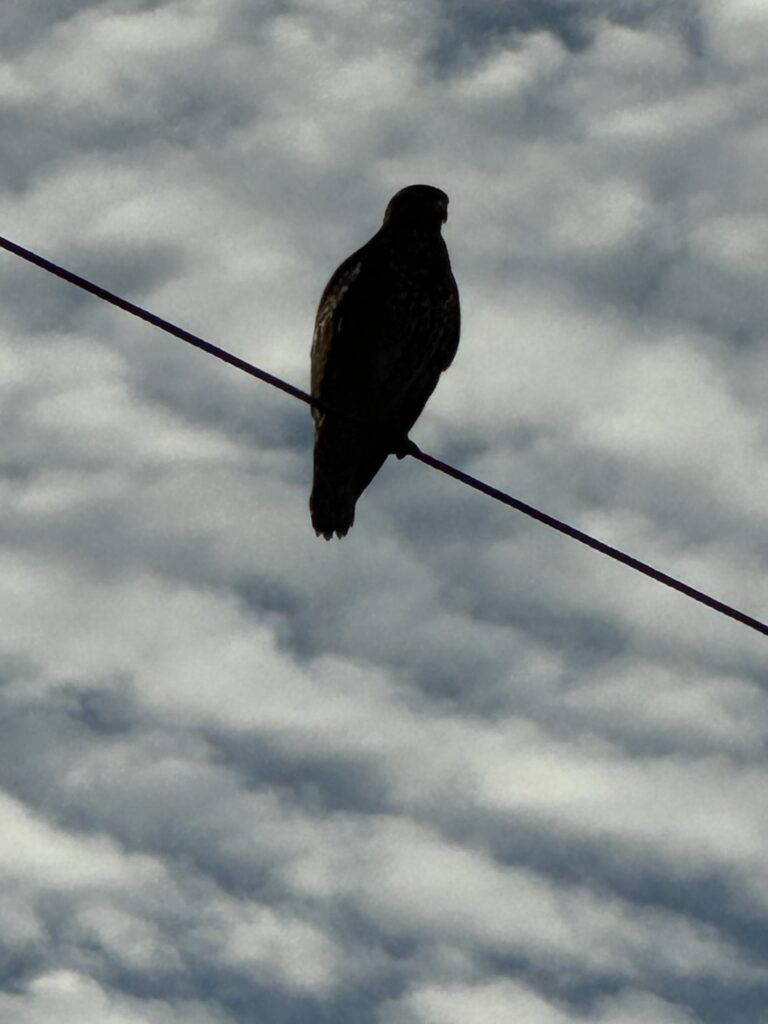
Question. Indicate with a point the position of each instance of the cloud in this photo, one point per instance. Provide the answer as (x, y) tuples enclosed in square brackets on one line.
[(72, 997), (469, 31), (500, 1000), (455, 767)]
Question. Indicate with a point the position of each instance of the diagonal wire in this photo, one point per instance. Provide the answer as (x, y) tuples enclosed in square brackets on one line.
[(152, 318), (428, 460)]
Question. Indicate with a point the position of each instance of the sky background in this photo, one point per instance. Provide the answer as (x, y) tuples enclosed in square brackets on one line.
[(454, 769)]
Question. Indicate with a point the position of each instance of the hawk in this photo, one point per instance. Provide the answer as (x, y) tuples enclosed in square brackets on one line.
[(386, 328)]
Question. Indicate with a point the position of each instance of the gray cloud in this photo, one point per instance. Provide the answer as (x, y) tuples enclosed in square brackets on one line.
[(468, 32)]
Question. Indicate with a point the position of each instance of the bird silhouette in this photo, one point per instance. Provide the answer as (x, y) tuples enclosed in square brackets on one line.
[(387, 326)]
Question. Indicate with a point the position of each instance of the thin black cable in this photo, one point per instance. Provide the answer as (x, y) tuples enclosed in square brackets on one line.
[(428, 460), (156, 321), (592, 542)]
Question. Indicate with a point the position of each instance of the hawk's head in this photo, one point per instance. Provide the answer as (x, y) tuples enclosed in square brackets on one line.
[(417, 207)]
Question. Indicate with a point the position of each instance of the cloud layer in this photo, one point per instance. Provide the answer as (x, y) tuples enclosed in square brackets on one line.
[(454, 768)]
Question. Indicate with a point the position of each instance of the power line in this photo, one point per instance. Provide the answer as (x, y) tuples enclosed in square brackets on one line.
[(414, 451), (156, 321), (592, 542)]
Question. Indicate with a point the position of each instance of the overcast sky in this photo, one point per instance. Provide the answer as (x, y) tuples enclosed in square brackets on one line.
[(454, 769)]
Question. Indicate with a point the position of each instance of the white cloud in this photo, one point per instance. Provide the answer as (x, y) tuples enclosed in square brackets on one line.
[(71, 998), (275, 949), (491, 1001), (35, 851)]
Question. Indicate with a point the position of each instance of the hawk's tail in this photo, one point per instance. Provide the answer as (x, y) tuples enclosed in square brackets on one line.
[(345, 463), (332, 509)]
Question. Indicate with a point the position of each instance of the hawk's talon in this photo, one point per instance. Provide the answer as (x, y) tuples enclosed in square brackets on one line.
[(406, 447)]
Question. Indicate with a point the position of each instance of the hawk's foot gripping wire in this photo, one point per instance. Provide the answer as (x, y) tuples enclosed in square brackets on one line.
[(405, 446)]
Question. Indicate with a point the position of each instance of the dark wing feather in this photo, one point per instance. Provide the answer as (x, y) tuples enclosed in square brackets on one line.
[(346, 334)]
